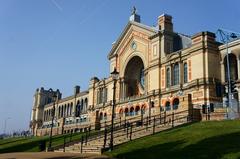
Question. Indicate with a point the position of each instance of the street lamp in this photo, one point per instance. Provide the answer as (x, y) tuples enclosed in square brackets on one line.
[(226, 37), (114, 76), (53, 114)]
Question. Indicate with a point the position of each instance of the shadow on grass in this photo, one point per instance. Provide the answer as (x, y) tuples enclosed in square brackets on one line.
[(213, 147), (23, 147), (12, 141)]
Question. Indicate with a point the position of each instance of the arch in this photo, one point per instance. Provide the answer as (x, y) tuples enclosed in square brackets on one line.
[(167, 105), (132, 111), (136, 53), (143, 109), (126, 112), (101, 116), (175, 103), (121, 112), (137, 109), (232, 66), (105, 116), (134, 76)]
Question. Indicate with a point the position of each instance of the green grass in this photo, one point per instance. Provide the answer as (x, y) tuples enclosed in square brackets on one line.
[(203, 140), (32, 144)]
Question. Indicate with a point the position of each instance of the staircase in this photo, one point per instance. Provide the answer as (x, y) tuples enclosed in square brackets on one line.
[(133, 129)]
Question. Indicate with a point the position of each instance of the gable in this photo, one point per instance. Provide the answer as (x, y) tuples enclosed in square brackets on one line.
[(131, 29)]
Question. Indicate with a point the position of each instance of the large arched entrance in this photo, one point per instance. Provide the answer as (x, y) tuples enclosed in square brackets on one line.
[(134, 77)]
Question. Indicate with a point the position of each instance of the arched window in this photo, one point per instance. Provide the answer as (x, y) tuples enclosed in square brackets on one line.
[(175, 103), (232, 66), (185, 73), (143, 109), (67, 110), (168, 77), (137, 109), (120, 113), (105, 116), (101, 116), (126, 111), (62, 112), (59, 112), (82, 104), (86, 104), (176, 74), (168, 107), (131, 111), (71, 109)]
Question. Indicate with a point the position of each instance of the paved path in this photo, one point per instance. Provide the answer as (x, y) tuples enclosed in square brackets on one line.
[(50, 155)]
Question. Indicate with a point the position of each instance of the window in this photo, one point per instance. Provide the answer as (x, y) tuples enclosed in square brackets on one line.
[(168, 78), (175, 103), (142, 77), (168, 106), (176, 74), (102, 95), (185, 73)]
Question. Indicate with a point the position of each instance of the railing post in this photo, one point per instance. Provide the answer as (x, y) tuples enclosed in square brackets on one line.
[(71, 136), (127, 130), (147, 124), (64, 143), (172, 119), (160, 118), (131, 133), (120, 122), (125, 124), (89, 129), (105, 138), (86, 137), (81, 144), (165, 115), (154, 120)]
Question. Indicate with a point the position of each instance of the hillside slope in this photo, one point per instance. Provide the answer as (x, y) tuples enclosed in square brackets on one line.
[(213, 139)]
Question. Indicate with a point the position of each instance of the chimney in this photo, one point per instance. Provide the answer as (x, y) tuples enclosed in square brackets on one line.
[(165, 22), (76, 90)]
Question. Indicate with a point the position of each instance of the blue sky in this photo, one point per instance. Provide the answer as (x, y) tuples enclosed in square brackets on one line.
[(63, 43)]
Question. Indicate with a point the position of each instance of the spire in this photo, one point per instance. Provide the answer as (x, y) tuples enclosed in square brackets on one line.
[(134, 16)]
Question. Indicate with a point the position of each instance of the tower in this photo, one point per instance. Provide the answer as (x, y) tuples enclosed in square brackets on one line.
[(40, 99)]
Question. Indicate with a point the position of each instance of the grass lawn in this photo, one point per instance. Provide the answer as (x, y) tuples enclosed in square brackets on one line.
[(31, 144), (203, 140)]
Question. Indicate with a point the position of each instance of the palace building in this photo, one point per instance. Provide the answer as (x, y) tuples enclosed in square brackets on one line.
[(160, 70)]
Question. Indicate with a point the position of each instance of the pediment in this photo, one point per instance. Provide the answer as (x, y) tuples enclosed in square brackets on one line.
[(131, 29)]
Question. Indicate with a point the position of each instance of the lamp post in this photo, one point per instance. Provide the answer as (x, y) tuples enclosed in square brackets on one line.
[(114, 76), (227, 36), (53, 114)]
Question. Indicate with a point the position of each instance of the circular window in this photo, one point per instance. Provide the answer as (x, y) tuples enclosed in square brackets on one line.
[(134, 45)]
